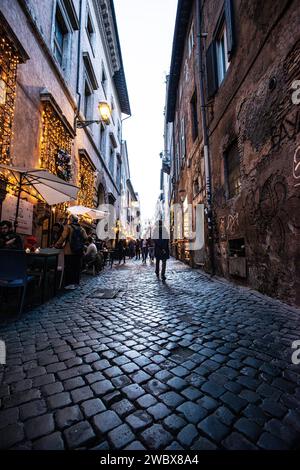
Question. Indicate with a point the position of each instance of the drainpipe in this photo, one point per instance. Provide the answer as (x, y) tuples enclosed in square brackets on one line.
[(78, 63), (208, 185)]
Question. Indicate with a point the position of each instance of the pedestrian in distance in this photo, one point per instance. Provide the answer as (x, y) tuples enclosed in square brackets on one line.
[(137, 249), (161, 252), (121, 248), (72, 240), (151, 250), (144, 250)]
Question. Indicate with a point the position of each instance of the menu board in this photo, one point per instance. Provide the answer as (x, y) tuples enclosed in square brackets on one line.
[(25, 215)]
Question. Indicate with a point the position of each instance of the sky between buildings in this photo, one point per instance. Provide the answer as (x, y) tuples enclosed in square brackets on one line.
[(146, 30)]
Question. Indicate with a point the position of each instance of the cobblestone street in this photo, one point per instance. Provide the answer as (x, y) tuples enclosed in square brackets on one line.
[(189, 364)]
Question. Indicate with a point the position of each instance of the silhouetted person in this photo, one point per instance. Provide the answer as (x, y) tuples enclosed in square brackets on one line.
[(161, 251)]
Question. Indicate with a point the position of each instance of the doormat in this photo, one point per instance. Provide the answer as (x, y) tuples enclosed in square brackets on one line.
[(104, 294)]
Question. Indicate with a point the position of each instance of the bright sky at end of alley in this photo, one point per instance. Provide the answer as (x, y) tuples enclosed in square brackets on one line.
[(146, 32)]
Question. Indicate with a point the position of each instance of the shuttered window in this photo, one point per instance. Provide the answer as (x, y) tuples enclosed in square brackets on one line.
[(220, 50)]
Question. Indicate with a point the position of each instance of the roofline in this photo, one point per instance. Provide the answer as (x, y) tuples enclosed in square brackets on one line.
[(181, 24), (119, 76)]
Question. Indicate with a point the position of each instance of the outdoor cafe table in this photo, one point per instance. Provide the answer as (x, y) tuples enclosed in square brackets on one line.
[(46, 258)]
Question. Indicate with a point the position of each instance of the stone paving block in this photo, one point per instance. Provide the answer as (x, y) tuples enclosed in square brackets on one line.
[(236, 441), (68, 416), (203, 444), (234, 402), (32, 409), (171, 399), (273, 408), (214, 428), (140, 377), (159, 411), (225, 415), (187, 435), (213, 389), (81, 394), (92, 407), (192, 412), (79, 435), (286, 433), (177, 383), (11, 435), (21, 397), (106, 421), (139, 420), (40, 426), (174, 423), (251, 430), (9, 416), (76, 382), (133, 391), (59, 400), (155, 387), (135, 445), (51, 442), (156, 437), (53, 388), (269, 442), (121, 381), (123, 407), (121, 436), (102, 387), (111, 398)]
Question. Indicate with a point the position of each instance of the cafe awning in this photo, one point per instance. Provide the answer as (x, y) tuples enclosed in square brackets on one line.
[(40, 184), (94, 214)]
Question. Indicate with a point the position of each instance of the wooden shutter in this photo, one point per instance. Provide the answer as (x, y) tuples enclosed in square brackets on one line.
[(211, 70), (229, 19)]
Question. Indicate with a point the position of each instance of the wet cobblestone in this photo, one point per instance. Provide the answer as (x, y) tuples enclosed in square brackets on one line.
[(193, 363)]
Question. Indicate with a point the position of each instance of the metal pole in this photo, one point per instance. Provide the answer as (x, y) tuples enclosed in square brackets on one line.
[(18, 202), (207, 167)]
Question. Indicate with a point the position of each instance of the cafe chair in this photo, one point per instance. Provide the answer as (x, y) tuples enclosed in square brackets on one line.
[(13, 273)]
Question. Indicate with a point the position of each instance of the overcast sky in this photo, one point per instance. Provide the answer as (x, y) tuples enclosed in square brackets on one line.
[(146, 30)]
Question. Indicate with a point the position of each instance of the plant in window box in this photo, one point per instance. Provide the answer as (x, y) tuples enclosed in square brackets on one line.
[(63, 165)]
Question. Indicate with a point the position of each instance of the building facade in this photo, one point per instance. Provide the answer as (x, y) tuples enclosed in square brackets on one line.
[(236, 149), (59, 59)]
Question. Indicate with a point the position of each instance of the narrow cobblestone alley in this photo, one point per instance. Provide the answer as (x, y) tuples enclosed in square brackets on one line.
[(189, 364)]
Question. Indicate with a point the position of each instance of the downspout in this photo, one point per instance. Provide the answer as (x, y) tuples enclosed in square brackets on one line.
[(207, 167), (78, 63)]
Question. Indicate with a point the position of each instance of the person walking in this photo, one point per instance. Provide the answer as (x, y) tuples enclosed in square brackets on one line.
[(122, 251), (72, 240), (151, 250), (144, 250), (161, 252), (137, 249)]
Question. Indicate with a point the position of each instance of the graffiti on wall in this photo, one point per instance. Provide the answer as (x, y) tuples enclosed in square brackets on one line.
[(286, 129), (233, 224)]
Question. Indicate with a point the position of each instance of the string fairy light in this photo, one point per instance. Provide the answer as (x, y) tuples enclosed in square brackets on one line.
[(86, 194), (9, 61)]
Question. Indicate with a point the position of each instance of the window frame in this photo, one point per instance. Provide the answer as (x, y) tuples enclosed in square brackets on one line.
[(91, 36), (66, 49)]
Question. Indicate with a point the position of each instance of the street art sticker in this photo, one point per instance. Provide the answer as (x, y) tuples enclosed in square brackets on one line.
[(296, 166), (222, 228)]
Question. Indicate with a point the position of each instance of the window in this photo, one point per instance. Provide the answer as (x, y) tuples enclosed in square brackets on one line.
[(182, 139), (119, 132), (232, 170), (88, 101), (90, 29), (191, 40), (220, 50), (118, 178), (104, 81), (222, 55), (194, 116), (112, 161), (60, 33)]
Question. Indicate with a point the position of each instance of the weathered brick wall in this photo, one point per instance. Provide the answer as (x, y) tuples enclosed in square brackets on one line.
[(266, 213)]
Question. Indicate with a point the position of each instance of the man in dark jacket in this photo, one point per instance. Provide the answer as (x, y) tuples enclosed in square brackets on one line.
[(161, 252), (9, 239)]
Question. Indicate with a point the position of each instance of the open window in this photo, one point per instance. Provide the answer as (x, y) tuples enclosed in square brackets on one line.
[(220, 50)]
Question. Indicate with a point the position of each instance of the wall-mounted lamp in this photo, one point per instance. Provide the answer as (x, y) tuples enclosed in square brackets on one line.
[(104, 114)]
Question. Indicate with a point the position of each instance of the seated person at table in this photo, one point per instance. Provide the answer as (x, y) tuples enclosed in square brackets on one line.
[(9, 240), (91, 251)]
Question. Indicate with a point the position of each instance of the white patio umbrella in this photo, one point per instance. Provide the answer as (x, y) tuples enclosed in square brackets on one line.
[(49, 188), (94, 214)]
